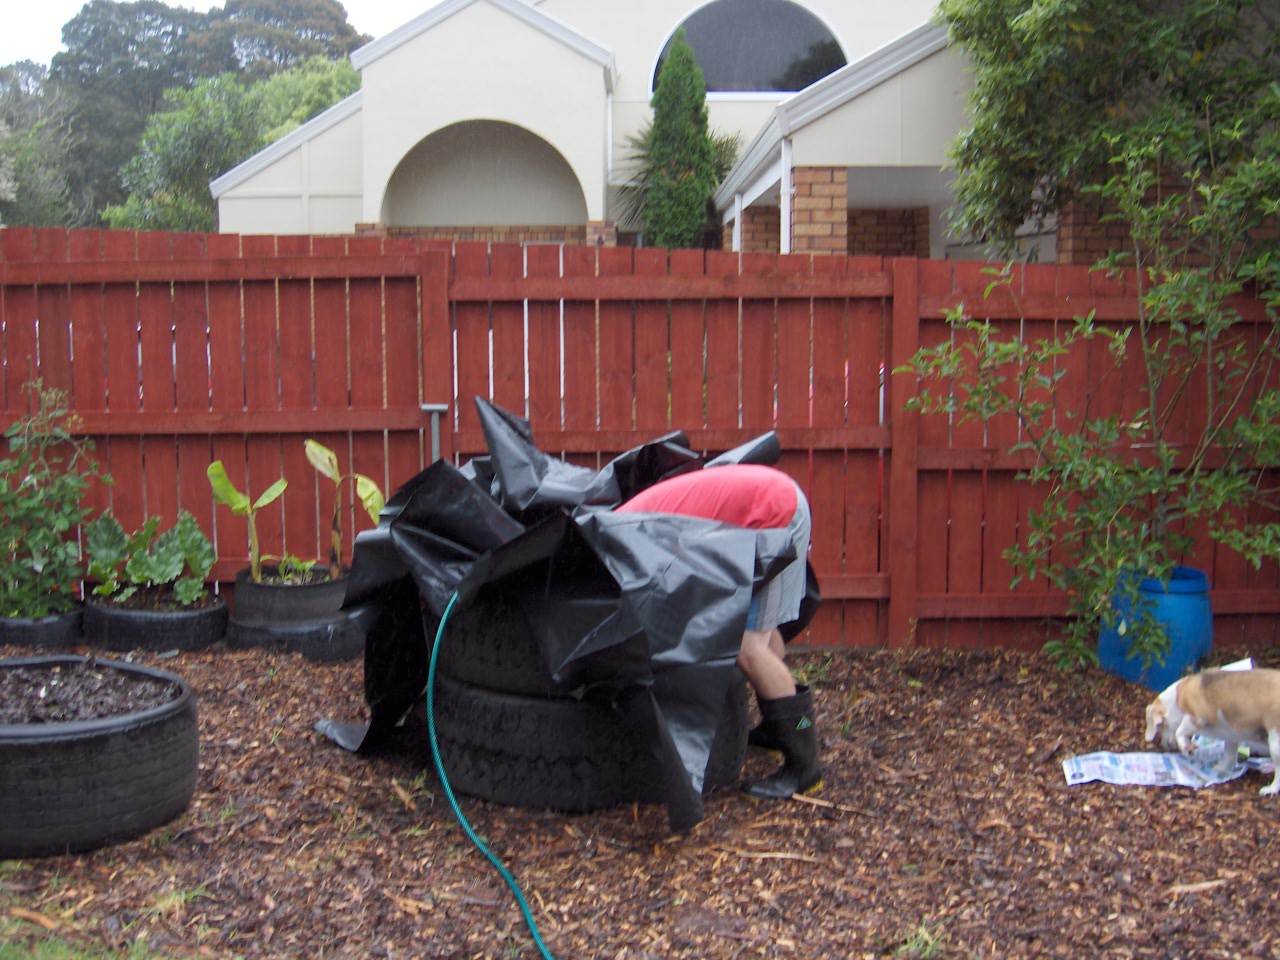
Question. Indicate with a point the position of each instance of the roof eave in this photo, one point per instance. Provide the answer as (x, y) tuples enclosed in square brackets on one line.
[(827, 95)]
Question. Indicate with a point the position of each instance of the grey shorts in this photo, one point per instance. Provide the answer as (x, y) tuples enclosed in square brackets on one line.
[(779, 600)]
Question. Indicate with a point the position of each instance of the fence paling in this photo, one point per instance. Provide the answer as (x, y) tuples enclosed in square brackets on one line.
[(181, 349)]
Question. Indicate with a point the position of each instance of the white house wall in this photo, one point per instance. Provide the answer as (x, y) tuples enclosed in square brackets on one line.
[(909, 120), (636, 32), (483, 64), (314, 188)]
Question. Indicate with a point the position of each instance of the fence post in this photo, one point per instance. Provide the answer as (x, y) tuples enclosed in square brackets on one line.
[(437, 349), (903, 489)]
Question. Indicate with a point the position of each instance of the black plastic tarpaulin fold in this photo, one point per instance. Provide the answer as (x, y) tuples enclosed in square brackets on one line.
[(655, 602)]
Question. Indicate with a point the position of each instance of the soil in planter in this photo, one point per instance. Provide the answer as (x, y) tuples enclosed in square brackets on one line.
[(72, 692), (159, 599)]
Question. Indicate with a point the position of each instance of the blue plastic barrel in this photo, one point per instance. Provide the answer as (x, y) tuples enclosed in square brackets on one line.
[(1183, 607)]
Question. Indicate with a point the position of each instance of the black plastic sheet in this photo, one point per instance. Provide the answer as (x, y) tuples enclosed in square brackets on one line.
[(626, 601)]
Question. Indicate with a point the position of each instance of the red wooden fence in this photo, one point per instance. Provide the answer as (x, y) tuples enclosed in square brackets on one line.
[(181, 349)]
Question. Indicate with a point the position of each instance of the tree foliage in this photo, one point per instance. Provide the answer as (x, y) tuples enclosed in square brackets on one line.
[(122, 62), (1059, 85), (206, 130), (35, 148), (292, 97), (682, 164), (1162, 118), (268, 36), (210, 128)]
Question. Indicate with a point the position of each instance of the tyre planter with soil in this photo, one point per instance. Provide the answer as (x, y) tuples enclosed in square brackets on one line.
[(303, 618), (111, 626), (75, 785), (59, 631), (561, 753)]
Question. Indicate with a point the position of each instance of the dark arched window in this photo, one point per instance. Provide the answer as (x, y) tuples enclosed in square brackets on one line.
[(759, 46)]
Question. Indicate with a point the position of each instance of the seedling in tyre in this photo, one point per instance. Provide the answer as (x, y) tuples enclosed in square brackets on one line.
[(326, 463), (226, 492)]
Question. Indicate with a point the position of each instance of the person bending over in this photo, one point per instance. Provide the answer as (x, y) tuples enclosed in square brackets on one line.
[(761, 498)]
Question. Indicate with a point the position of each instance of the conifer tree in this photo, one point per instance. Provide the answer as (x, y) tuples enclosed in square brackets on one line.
[(682, 158)]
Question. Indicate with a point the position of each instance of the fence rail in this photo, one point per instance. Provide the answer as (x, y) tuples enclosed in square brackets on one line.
[(177, 350)]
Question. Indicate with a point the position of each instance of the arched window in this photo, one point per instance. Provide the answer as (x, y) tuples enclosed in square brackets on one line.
[(759, 46)]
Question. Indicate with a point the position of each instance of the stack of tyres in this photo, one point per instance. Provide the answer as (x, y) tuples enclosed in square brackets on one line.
[(508, 733)]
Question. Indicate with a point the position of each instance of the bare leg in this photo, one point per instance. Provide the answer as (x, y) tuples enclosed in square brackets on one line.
[(760, 658)]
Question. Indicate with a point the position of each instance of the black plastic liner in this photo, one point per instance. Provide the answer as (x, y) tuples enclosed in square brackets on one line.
[(625, 601)]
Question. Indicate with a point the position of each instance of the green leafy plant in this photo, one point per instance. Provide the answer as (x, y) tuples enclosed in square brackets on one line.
[(42, 482), (1163, 125), (326, 463), (170, 567), (293, 568), (226, 493)]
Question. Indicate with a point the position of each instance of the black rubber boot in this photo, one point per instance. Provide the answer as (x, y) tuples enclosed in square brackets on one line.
[(790, 721), (759, 736)]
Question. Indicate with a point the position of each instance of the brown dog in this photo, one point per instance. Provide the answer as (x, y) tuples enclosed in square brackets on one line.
[(1239, 707)]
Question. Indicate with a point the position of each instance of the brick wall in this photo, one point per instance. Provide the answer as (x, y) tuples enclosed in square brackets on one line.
[(569, 233), (1083, 239), (761, 230), (889, 233)]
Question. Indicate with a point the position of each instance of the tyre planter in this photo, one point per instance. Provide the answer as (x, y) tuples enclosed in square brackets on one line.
[(75, 786), (490, 644), (110, 626), (1182, 607), (60, 631), (303, 618), (563, 754)]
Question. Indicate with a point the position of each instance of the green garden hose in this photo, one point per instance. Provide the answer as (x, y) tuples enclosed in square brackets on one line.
[(453, 801)]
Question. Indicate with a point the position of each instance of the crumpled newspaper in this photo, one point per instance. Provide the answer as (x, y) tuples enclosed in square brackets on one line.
[(1204, 768)]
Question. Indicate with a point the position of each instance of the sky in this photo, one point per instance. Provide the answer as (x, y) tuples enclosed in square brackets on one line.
[(32, 29)]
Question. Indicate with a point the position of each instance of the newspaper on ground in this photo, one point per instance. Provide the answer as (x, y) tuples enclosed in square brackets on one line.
[(1203, 768)]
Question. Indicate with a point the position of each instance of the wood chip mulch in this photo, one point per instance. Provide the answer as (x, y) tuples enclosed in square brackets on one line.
[(945, 829)]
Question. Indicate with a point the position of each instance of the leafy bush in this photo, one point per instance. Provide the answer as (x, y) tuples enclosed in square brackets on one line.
[(173, 565), (1164, 121), (42, 482)]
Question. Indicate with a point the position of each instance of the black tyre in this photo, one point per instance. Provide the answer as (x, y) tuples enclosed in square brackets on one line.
[(272, 602), (325, 640), (563, 754), (57, 632), (69, 787), (110, 626), (490, 644)]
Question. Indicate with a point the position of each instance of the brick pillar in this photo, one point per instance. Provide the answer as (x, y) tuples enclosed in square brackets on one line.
[(602, 233), (819, 211)]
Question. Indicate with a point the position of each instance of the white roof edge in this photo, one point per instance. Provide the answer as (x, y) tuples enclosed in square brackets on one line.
[(290, 141), (831, 92), (522, 10)]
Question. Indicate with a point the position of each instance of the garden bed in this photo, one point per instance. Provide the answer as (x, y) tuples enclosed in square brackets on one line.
[(945, 825)]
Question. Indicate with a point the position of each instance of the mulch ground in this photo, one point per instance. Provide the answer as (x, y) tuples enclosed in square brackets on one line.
[(945, 829)]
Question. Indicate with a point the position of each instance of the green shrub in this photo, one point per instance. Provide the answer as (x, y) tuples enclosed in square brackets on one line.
[(42, 483)]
